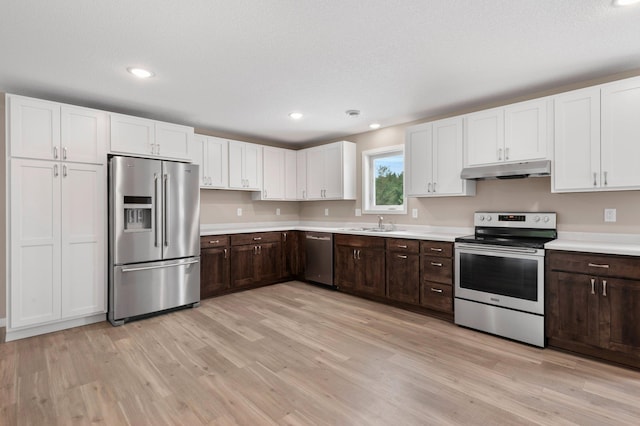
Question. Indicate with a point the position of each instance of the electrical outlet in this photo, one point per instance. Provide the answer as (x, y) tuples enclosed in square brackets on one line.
[(414, 213), (358, 212), (609, 215), (277, 212), (239, 211), (326, 212)]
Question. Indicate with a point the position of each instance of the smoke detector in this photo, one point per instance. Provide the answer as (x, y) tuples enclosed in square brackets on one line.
[(354, 113)]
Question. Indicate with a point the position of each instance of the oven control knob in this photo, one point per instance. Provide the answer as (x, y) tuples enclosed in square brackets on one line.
[(488, 218), (546, 218), (481, 218), (536, 219)]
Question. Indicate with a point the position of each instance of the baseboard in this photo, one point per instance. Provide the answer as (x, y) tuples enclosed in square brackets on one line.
[(3, 322)]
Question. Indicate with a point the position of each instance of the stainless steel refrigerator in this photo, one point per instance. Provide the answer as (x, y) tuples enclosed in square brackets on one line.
[(154, 236)]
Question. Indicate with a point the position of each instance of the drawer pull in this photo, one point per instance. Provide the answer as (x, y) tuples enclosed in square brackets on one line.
[(435, 249), (214, 241), (604, 288), (402, 256), (436, 290), (593, 286), (399, 246), (257, 238), (596, 265), (439, 265)]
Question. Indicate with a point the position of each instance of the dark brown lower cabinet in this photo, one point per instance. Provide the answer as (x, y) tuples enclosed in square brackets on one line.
[(593, 305), (359, 264), (403, 270), (292, 260), (256, 259), (214, 265), (436, 287)]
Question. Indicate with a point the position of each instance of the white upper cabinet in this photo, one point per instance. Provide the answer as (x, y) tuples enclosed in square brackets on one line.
[(513, 133), (331, 171), (576, 165), (433, 160), (301, 174), (278, 174), (245, 166), (620, 165), (149, 138), (290, 174), (212, 155), (52, 131), (596, 138)]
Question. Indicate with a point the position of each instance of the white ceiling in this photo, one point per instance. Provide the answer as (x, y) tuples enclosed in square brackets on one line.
[(240, 66)]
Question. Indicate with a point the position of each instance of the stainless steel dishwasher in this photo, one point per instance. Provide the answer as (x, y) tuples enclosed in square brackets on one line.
[(318, 247)]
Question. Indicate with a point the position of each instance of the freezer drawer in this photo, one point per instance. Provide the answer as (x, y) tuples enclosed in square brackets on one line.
[(144, 288)]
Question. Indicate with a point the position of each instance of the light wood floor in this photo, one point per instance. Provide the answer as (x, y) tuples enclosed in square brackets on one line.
[(294, 354)]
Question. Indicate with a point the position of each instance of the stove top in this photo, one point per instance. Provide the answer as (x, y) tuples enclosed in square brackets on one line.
[(530, 230)]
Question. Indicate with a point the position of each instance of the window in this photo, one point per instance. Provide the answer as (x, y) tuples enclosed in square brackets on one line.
[(383, 180)]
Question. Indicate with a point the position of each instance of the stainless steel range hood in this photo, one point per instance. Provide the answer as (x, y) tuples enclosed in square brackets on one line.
[(508, 171)]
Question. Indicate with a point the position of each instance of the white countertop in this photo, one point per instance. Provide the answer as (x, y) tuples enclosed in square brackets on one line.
[(622, 244), (416, 232)]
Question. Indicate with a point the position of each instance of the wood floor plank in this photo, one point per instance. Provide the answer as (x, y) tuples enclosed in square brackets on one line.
[(296, 354)]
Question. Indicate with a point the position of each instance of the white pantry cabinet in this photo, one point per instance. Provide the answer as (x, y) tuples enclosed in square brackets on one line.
[(433, 160), (513, 133), (278, 174), (245, 166), (596, 138), (212, 155), (57, 240), (331, 171), (53, 131), (149, 138)]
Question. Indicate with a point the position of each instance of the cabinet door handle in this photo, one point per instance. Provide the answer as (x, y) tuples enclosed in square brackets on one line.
[(64, 171), (284, 237), (439, 265), (255, 250), (605, 179), (436, 290), (354, 254), (257, 238), (358, 254), (499, 153), (593, 286), (158, 148), (225, 253), (64, 153), (429, 187), (401, 246), (304, 194), (265, 193), (506, 153), (604, 288), (259, 249), (402, 256), (597, 265), (55, 152), (595, 183), (435, 249), (434, 187), (55, 170), (214, 241)]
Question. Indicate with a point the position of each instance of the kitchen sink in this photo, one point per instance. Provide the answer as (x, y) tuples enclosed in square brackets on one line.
[(374, 229)]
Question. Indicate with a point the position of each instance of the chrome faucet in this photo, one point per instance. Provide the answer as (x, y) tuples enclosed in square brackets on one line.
[(380, 224)]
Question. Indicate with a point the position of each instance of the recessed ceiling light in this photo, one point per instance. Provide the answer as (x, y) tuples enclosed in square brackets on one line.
[(295, 115), (374, 126), (625, 2), (140, 72)]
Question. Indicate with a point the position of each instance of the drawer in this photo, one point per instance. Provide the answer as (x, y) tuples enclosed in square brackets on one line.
[(438, 269), (403, 246), (436, 296), (595, 264), (358, 241), (209, 241), (436, 248), (256, 238)]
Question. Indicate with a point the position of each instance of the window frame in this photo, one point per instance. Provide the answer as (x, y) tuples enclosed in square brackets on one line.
[(368, 181)]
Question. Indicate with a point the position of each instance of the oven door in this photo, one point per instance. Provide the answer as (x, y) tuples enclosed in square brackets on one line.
[(509, 277)]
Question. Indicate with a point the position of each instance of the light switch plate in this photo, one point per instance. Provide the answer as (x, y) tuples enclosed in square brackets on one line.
[(277, 212), (239, 211), (358, 212), (610, 215), (326, 212), (414, 213)]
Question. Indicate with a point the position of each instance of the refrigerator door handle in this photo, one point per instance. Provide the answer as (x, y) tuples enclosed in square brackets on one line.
[(145, 268), (157, 210), (166, 210)]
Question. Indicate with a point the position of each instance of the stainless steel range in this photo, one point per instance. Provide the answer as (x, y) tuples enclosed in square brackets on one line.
[(499, 274)]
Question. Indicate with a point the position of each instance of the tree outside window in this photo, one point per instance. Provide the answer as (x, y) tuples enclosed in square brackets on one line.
[(383, 180)]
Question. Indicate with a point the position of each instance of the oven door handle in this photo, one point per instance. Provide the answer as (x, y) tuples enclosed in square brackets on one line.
[(494, 249)]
